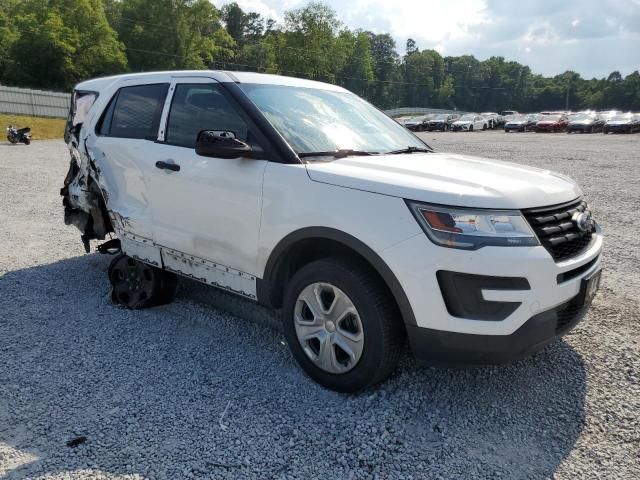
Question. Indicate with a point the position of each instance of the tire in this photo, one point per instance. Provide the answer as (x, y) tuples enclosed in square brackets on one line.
[(471, 128), (375, 329), (136, 285), (11, 139), (27, 141), (484, 127)]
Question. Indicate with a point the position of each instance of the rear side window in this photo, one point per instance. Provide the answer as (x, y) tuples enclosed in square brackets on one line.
[(201, 106), (135, 112)]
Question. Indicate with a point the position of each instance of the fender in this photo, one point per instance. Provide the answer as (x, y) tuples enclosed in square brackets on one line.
[(265, 286)]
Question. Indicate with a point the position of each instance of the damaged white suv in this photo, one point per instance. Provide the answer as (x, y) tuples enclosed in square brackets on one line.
[(307, 199)]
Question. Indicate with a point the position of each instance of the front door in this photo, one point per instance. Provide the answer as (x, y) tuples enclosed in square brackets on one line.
[(210, 208)]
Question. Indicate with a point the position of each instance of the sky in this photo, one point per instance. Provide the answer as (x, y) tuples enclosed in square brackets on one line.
[(591, 37)]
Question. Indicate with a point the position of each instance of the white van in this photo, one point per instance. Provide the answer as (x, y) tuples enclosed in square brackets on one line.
[(303, 197)]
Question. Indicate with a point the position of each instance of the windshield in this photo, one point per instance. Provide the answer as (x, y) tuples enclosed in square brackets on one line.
[(581, 116), (316, 120), (468, 117), (551, 118), (440, 117), (519, 118)]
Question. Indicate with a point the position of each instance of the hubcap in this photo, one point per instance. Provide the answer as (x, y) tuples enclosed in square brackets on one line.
[(329, 328), (132, 282)]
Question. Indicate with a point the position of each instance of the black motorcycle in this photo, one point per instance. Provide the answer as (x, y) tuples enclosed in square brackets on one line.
[(17, 135)]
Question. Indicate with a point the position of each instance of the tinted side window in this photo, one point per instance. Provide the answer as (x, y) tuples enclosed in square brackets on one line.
[(201, 106), (137, 111)]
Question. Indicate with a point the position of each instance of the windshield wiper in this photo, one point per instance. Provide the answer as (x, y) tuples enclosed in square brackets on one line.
[(341, 153), (410, 150)]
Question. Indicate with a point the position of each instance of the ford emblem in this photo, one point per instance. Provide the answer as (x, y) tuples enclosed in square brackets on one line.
[(583, 221)]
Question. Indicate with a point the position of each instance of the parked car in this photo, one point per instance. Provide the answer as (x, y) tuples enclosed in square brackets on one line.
[(469, 122), (509, 113), (587, 122), (303, 197), (607, 114), (417, 124), (522, 123), (552, 122), (442, 121), (403, 120), (623, 123), (493, 119)]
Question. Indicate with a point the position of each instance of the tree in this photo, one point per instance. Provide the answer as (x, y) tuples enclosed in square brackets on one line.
[(173, 34), (61, 42), (308, 44), (358, 71), (235, 21), (384, 90)]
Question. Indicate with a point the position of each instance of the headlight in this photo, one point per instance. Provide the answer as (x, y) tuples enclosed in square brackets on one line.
[(471, 229)]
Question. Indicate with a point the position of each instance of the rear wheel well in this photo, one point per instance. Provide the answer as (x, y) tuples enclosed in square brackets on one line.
[(306, 250)]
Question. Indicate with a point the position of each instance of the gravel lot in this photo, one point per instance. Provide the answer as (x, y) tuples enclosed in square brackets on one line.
[(189, 391)]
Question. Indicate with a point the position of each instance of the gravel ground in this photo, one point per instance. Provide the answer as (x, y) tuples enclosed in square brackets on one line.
[(189, 391)]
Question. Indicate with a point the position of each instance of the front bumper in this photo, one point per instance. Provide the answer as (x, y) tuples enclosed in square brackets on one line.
[(459, 128), (552, 286), (548, 128), (618, 128), (449, 348), (580, 128)]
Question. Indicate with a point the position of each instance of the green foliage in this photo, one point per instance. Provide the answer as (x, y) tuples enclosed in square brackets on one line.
[(172, 34), (57, 43), (53, 44)]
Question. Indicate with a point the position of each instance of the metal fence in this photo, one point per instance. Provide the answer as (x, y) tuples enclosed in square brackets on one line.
[(397, 112), (38, 103)]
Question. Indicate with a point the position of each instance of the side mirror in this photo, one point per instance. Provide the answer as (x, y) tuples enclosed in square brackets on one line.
[(224, 144)]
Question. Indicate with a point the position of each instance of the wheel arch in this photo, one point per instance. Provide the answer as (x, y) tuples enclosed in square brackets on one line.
[(307, 244)]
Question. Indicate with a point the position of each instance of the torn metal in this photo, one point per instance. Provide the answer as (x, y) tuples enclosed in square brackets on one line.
[(83, 199)]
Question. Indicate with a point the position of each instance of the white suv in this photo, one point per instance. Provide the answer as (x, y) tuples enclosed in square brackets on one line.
[(305, 198)]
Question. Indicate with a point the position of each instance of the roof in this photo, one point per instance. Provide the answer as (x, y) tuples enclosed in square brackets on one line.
[(98, 84)]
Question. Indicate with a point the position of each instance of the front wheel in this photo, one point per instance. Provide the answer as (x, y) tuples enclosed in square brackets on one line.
[(11, 139), (471, 128), (341, 325)]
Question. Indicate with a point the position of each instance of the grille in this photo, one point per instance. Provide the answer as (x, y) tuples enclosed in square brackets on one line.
[(557, 232)]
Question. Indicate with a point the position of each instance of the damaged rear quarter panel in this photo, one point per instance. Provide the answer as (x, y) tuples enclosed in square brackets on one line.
[(104, 190)]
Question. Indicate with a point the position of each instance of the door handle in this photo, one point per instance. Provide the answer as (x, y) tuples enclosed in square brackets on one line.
[(174, 167)]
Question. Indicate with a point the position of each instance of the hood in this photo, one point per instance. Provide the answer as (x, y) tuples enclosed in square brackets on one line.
[(516, 122), (548, 122), (463, 122), (619, 122), (448, 179)]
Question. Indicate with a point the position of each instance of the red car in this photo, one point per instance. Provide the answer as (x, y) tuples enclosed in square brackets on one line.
[(552, 123)]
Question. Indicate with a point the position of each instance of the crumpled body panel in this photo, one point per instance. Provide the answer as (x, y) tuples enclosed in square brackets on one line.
[(83, 200)]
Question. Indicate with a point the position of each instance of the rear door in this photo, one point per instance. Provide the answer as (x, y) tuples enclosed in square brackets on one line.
[(207, 212), (124, 134)]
